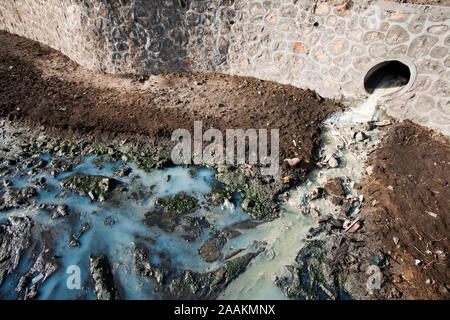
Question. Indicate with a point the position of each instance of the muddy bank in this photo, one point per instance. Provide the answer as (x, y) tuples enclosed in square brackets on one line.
[(132, 233), (43, 89), (399, 249), (408, 192)]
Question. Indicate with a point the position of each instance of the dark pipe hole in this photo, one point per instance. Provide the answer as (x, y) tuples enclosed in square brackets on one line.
[(387, 71), (316, 24)]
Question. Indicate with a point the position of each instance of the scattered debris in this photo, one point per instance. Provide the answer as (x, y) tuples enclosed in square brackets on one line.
[(360, 136), (334, 187), (434, 215), (383, 123), (292, 162), (351, 227), (227, 205)]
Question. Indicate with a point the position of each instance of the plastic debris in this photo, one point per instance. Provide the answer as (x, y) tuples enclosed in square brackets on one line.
[(286, 179), (381, 262), (351, 226), (383, 123), (333, 117), (434, 215), (37, 278)]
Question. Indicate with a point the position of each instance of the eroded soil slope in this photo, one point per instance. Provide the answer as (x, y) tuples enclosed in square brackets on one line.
[(40, 86), (409, 189)]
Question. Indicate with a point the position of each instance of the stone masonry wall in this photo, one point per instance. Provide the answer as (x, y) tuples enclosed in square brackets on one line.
[(327, 46)]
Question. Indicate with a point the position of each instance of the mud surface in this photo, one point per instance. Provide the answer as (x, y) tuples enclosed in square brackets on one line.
[(410, 193), (41, 87)]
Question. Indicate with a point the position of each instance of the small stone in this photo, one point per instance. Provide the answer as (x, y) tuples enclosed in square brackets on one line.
[(334, 187), (360, 136), (246, 204), (443, 290), (370, 170), (337, 201), (333, 162)]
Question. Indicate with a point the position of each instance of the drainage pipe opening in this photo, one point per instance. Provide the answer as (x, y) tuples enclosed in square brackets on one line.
[(387, 71)]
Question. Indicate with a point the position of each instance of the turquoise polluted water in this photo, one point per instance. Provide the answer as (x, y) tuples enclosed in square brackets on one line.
[(116, 240)]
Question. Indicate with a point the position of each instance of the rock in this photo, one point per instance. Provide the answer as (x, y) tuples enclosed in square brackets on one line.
[(292, 162), (210, 251), (370, 170), (331, 160), (15, 236), (318, 217), (169, 210), (76, 237), (110, 220), (369, 126), (14, 198), (44, 266), (122, 172), (317, 193), (360, 136), (334, 187), (443, 290), (337, 201), (103, 278), (144, 267), (246, 204), (345, 208), (56, 211), (97, 187)]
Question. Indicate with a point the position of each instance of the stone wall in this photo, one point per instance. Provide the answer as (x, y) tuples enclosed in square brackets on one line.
[(327, 46)]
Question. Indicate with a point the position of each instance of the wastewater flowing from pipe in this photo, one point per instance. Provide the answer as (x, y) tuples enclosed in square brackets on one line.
[(287, 235)]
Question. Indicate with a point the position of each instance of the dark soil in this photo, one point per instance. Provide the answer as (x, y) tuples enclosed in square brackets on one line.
[(425, 2), (46, 89), (410, 184)]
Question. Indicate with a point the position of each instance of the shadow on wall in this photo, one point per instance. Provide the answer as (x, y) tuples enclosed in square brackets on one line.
[(180, 35), (160, 38)]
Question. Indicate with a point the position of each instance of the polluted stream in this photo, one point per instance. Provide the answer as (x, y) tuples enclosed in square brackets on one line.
[(87, 226)]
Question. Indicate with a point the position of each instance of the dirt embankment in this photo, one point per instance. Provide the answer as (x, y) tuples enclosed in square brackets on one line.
[(409, 188), (41, 87)]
